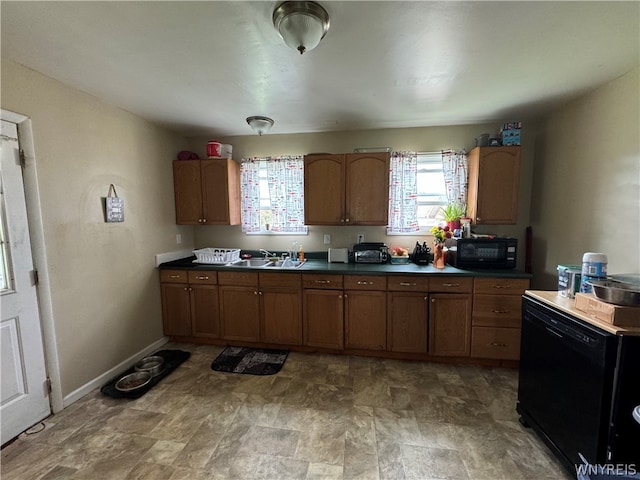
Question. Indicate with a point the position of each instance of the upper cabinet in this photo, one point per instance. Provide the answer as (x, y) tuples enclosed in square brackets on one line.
[(207, 192), (494, 177), (346, 189)]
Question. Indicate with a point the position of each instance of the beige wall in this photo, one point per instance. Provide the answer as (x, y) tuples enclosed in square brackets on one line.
[(104, 285), (419, 139), (586, 188)]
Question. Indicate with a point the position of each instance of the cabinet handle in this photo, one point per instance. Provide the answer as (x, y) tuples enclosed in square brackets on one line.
[(259, 293), (342, 220), (501, 286), (496, 344), (360, 282), (347, 220), (408, 284), (499, 311), (450, 284), (478, 219), (323, 282), (202, 277), (204, 220), (199, 220), (190, 289), (174, 276), (255, 293), (433, 300), (186, 289), (340, 296)]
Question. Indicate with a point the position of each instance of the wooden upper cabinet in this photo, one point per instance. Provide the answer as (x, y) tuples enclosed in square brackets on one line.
[(346, 189), (494, 178), (207, 192)]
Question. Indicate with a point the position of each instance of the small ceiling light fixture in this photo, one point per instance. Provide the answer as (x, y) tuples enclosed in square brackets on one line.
[(301, 24), (260, 125)]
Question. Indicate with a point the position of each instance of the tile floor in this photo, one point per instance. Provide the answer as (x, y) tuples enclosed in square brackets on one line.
[(321, 417)]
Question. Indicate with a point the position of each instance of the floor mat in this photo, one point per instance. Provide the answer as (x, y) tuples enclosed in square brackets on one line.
[(250, 361)]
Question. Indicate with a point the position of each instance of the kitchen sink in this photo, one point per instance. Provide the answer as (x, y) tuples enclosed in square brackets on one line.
[(251, 263), (266, 263)]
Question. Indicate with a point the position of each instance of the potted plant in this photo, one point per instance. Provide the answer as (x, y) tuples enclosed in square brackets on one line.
[(452, 214)]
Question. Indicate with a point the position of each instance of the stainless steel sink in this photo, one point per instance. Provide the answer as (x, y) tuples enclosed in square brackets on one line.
[(251, 263)]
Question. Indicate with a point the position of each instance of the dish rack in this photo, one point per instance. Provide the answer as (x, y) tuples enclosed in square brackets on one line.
[(217, 255)]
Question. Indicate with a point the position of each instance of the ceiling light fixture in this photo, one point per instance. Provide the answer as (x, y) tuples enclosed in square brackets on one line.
[(260, 125), (301, 24)]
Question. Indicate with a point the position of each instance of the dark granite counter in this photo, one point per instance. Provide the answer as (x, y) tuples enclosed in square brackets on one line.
[(322, 266)]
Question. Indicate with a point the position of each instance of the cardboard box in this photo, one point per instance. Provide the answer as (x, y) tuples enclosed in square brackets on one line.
[(607, 312), (510, 137)]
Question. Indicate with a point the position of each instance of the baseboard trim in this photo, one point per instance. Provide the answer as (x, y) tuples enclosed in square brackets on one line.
[(108, 375)]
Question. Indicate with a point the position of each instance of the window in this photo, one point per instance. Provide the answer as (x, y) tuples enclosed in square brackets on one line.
[(420, 184), (272, 191), (432, 194)]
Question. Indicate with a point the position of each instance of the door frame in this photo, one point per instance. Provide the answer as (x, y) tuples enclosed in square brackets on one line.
[(39, 253)]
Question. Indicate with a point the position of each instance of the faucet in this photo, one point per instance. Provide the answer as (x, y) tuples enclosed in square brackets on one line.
[(267, 253)]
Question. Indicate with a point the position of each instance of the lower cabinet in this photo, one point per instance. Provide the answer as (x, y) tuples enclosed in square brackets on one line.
[(323, 311), (407, 314), (280, 308), (449, 324), (497, 315), (239, 306), (190, 303), (365, 312)]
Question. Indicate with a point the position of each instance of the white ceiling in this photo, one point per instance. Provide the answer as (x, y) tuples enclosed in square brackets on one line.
[(203, 67)]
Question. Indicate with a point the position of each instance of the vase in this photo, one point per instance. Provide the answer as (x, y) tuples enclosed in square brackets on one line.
[(454, 225), (439, 255)]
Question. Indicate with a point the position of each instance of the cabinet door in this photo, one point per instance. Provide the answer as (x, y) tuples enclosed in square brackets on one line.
[(366, 320), (205, 318), (449, 325), (240, 313), (323, 318), (498, 343), (176, 309), (323, 190), (281, 316), (494, 177), (407, 322), (187, 186), (220, 192), (367, 188)]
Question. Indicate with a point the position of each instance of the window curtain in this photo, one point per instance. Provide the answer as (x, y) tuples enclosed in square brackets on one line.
[(403, 193), (285, 177), (456, 170), (250, 194)]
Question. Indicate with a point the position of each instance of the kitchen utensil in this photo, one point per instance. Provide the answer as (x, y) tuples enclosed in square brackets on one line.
[(153, 364), (133, 381), (618, 293)]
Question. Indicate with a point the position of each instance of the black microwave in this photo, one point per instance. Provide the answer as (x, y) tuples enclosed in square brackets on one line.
[(472, 253)]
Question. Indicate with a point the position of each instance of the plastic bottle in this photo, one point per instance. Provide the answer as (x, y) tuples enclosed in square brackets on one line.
[(301, 254), (594, 267)]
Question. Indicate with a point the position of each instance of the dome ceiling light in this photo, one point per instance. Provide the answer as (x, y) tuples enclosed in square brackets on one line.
[(301, 24), (259, 124)]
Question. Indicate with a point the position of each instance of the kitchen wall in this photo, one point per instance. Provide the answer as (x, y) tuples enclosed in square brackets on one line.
[(586, 185), (104, 284), (419, 139)]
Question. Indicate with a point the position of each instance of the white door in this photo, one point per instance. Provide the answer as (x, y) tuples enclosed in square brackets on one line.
[(24, 398)]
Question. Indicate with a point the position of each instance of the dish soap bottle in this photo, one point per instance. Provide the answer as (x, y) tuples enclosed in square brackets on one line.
[(301, 254)]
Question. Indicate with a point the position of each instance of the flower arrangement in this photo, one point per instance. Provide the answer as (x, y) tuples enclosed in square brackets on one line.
[(440, 234), (453, 211)]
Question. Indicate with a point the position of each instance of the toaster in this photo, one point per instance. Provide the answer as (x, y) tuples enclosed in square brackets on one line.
[(338, 255), (372, 252)]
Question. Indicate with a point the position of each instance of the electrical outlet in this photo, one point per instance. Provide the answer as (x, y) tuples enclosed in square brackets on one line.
[(327, 239), (360, 237), (178, 238)]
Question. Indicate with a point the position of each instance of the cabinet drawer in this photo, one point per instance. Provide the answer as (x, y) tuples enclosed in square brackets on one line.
[(495, 342), (365, 282), (174, 276), (238, 278), (284, 280), (501, 286), (497, 310), (408, 283), (203, 277), (322, 281), (451, 284)]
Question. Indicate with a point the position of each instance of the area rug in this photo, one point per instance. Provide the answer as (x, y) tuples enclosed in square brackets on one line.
[(250, 361)]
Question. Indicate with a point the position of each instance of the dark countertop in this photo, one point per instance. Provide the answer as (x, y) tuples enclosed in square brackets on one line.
[(322, 266)]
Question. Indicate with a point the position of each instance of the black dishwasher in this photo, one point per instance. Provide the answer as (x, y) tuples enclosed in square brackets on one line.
[(576, 384)]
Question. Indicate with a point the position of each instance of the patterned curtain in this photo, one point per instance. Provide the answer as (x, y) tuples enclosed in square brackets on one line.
[(456, 171), (285, 177), (250, 194), (403, 193)]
